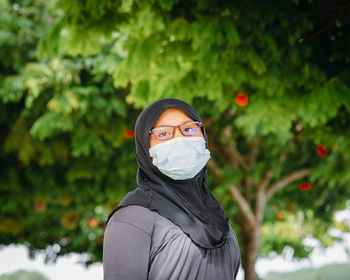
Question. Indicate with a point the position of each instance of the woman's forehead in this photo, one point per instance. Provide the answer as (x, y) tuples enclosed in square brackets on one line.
[(172, 116)]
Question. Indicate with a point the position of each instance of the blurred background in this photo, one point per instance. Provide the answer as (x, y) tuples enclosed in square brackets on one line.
[(271, 80)]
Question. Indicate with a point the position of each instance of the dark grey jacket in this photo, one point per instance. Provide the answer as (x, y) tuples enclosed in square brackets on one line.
[(140, 244)]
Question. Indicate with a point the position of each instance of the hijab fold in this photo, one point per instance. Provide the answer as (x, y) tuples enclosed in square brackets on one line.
[(187, 203)]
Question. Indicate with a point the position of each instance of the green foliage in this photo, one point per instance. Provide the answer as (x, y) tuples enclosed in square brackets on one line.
[(23, 275), (75, 75), (328, 272)]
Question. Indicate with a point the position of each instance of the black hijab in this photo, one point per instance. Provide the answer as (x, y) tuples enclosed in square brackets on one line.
[(187, 203)]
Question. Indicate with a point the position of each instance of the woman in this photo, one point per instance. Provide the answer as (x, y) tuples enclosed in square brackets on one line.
[(170, 226)]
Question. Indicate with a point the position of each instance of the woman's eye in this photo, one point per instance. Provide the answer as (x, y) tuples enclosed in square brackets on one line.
[(190, 130), (163, 134)]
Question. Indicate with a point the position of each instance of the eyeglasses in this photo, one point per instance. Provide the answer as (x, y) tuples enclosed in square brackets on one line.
[(167, 132)]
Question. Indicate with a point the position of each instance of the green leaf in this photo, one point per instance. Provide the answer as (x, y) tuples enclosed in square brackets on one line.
[(50, 124)]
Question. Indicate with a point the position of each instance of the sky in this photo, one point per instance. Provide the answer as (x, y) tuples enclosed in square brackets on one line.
[(15, 257)]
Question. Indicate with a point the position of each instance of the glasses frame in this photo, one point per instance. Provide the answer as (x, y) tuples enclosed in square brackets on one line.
[(152, 131)]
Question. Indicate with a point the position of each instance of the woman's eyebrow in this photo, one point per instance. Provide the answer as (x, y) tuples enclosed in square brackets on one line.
[(162, 125)]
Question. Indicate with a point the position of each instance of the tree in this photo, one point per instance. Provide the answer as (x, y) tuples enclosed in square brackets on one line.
[(328, 272), (23, 275), (271, 81)]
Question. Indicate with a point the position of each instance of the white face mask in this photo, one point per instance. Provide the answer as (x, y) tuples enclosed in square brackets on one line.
[(180, 158)]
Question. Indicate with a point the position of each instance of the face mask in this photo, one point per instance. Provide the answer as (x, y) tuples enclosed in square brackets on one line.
[(180, 158)]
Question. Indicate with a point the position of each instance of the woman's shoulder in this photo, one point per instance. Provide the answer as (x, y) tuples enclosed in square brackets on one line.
[(137, 216)]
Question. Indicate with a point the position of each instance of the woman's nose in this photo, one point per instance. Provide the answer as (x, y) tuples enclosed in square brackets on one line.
[(177, 132)]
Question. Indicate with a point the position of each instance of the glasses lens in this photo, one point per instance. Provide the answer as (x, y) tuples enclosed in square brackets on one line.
[(191, 128), (163, 133)]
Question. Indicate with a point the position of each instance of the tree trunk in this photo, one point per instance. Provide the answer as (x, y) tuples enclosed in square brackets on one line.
[(250, 224), (251, 210), (250, 238)]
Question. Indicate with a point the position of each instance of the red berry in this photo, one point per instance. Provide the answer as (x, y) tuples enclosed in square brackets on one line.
[(322, 151), (128, 134), (242, 99), (280, 216), (305, 186), (93, 222)]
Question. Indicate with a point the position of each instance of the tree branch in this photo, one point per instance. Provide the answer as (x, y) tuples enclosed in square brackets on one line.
[(243, 206), (260, 204), (284, 156), (262, 186), (215, 168), (254, 152), (326, 26), (231, 147), (260, 201), (296, 175), (328, 8), (248, 184)]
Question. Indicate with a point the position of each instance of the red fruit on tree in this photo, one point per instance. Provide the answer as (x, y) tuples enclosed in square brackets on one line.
[(280, 216), (305, 186), (93, 222), (128, 134), (241, 99), (322, 151)]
